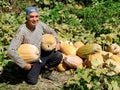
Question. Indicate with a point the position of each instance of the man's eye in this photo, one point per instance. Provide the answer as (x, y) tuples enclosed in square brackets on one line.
[(31, 16), (36, 16)]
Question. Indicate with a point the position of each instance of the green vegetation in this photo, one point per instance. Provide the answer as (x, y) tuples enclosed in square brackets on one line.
[(93, 79), (88, 21)]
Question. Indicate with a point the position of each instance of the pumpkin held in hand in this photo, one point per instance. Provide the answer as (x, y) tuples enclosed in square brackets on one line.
[(48, 42), (28, 52)]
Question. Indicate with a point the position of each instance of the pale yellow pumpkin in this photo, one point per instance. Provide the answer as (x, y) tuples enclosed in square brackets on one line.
[(116, 65), (106, 55), (48, 42), (114, 48), (28, 52), (94, 60), (73, 61)]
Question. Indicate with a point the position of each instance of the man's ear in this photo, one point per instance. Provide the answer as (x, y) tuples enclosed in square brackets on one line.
[(26, 17)]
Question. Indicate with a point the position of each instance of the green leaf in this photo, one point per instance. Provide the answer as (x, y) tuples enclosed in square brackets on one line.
[(115, 85), (46, 2)]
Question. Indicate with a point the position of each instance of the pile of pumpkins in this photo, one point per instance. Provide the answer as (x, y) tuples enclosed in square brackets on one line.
[(75, 55), (79, 55)]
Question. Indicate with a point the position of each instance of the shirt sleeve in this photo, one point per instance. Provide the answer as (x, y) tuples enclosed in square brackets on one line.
[(49, 30), (12, 50)]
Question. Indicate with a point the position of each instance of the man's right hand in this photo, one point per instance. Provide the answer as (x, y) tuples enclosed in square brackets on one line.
[(27, 66)]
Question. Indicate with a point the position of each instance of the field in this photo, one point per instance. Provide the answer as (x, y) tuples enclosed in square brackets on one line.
[(88, 21)]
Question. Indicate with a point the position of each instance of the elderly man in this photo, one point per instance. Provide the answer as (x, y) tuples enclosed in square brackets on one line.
[(31, 33)]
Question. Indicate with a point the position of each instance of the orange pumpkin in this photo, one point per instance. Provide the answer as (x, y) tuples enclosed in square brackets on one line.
[(67, 49), (28, 52), (62, 67), (115, 58), (78, 44), (48, 42)]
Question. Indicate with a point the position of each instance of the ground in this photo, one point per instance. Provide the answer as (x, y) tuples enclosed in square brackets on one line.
[(12, 79)]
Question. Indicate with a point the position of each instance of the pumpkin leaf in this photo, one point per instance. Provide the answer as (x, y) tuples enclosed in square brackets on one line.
[(46, 2), (115, 85)]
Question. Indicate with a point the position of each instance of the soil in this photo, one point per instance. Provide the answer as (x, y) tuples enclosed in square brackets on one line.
[(12, 79)]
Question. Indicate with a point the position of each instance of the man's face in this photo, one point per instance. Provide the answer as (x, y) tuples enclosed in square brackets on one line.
[(33, 19)]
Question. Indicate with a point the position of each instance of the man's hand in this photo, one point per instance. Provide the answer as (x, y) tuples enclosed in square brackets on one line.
[(57, 47), (28, 66)]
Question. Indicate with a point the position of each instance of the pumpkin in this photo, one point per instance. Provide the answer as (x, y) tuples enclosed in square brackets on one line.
[(62, 67), (116, 66), (106, 55), (73, 61), (48, 42), (114, 48), (87, 49), (78, 44), (115, 58), (67, 49), (94, 60), (118, 54), (28, 52)]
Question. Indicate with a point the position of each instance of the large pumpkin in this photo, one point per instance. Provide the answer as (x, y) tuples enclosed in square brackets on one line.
[(115, 65), (87, 49), (28, 52), (48, 42), (94, 60), (73, 61), (78, 44), (67, 49), (106, 55), (115, 58)]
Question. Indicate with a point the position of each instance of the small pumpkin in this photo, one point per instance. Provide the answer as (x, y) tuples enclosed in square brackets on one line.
[(48, 42), (28, 52), (62, 67), (114, 48)]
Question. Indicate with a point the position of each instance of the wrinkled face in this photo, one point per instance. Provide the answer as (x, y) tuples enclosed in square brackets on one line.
[(32, 19)]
